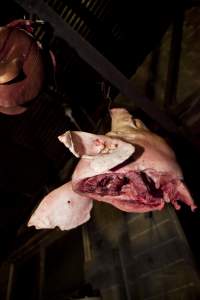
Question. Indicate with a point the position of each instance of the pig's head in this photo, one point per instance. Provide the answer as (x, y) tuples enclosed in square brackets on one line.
[(130, 167)]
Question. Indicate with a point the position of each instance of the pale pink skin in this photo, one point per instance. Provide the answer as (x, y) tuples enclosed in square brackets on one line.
[(61, 208), (67, 207), (158, 160)]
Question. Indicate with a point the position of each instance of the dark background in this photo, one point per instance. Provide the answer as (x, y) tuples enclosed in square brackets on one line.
[(31, 157)]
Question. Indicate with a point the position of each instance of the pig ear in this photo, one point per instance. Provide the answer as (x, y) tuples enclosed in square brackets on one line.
[(63, 208), (87, 145)]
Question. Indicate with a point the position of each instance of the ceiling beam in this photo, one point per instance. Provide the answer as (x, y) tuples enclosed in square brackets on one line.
[(97, 61), (174, 60)]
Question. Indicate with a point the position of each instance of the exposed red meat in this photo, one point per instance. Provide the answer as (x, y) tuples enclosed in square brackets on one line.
[(131, 168), (144, 179), (65, 208)]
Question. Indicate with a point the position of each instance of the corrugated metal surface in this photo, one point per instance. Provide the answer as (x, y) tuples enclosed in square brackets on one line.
[(92, 19)]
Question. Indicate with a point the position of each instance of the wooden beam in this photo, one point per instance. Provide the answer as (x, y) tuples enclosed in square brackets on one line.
[(42, 272), (10, 282), (174, 59), (42, 238), (97, 61)]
